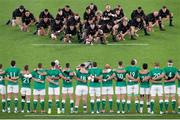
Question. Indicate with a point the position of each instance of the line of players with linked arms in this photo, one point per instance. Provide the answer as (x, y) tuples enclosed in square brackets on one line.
[(91, 80), (95, 27)]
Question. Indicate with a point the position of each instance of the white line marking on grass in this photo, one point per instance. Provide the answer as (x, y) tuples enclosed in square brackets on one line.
[(128, 44), (100, 115)]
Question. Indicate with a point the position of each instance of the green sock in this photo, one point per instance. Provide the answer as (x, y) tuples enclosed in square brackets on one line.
[(42, 104), (63, 104), (179, 109), (92, 105), (28, 105), (152, 105), (141, 104), (3, 104), (174, 105), (161, 105), (118, 105), (123, 105), (137, 106), (50, 104), (71, 103), (16, 103), (128, 105), (103, 104), (166, 104), (35, 104), (57, 104), (76, 108), (8, 103), (110, 104), (98, 104), (22, 104)]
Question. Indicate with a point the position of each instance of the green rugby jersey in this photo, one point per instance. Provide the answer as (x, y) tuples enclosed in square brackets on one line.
[(144, 84), (134, 72), (96, 72), (26, 80), (53, 73), (82, 76), (38, 85), (155, 72), (2, 76), (170, 72), (12, 72), (120, 74), (105, 75), (68, 74), (179, 79)]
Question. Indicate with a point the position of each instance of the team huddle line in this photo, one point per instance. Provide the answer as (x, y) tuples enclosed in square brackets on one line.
[(91, 80)]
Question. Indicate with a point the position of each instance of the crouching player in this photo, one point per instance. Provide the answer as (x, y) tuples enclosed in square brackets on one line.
[(107, 87), (170, 85), (95, 89), (70, 31), (53, 75), (120, 77), (156, 75), (2, 88), (42, 26), (144, 87), (26, 77), (12, 76), (39, 76), (82, 87), (67, 89), (132, 85)]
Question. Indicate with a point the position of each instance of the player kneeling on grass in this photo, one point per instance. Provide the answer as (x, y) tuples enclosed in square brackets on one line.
[(26, 77), (82, 87), (132, 84), (95, 90), (12, 76), (67, 88), (42, 26), (120, 77), (107, 87), (124, 29), (39, 76), (156, 75), (53, 75), (17, 16), (170, 85), (70, 31), (144, 87), (27, 20), (2, 88), (138, 24), (56, 28), (165, 15)]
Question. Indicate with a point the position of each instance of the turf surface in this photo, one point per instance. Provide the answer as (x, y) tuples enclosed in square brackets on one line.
[(29, 49)]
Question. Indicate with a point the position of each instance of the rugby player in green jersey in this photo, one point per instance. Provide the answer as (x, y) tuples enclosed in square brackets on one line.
[(95, 86), (120, 77), (12, 76), (144, 87), (156, 75), (53, 76), (26, 77), (81, 87), (67, 88), (178, 90), (2, 88), (107, 87), (170, 85), (39, 76), (132, 84)]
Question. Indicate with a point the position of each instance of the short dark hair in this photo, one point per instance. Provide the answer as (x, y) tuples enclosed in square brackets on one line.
[(67, 65), (82, 65), (94, 64), (21, 7), (133, 62), (39, 65), (120, 62), (164, 7), (139, 8), (1, 66), (145, 66), (156, 64), (13, 63), (46, 10), (26, 67), (53, 64), (170, 61), (67, 6)]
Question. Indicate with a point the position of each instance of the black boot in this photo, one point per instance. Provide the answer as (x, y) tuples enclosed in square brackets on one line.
[(8, 22), (170, 22), (133, 38), (160, 26), (146, 33)]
